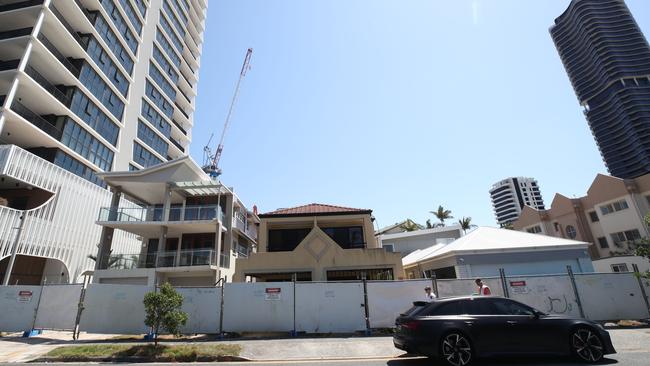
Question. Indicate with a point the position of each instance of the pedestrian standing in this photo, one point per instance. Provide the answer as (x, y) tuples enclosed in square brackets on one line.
[(428, 294), (483, 289)]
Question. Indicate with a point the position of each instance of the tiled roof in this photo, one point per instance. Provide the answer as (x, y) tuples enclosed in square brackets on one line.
[(314, 209)]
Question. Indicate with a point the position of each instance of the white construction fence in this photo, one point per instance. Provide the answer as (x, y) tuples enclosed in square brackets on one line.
[(312, 307)]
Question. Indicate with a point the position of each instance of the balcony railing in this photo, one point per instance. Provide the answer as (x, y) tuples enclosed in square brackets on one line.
[(183, 258), (15, 33), (180, 109), (239, 221), (156, 214), (42, 81), (177, 144), (66, 25), (22, 4), (59, 56), (36, 120), (251, 231), (9, 65), (224, 261), (180, 127)]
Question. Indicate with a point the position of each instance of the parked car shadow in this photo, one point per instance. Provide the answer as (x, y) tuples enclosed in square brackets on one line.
[(421, 361)]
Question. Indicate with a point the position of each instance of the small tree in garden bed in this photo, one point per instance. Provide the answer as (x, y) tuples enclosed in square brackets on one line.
[(163, 311)]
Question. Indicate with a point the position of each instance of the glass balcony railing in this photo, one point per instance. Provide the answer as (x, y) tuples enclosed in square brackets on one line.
[(183, 258), (43, 82), (19, 5), (15, 33), (156, 214), (36, 120)]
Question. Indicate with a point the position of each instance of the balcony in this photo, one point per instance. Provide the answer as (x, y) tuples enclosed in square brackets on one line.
[(169, 259), (239, 221), (177, 144), (19, 5), (155, 214), (67, 62), (42, 81), (180, 127), (15, 33), (37, 120), (9, 65)]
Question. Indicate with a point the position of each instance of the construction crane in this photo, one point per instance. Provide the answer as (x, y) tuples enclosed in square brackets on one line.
[(211, 161)]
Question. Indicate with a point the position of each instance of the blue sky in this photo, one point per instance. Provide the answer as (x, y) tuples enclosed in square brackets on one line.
[(397, 106)]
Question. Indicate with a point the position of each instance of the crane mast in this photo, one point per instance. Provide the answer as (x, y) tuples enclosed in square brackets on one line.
[(211, 163)]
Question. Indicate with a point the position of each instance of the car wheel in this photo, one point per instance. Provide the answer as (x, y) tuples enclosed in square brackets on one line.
[(456, 349), (586, 345)]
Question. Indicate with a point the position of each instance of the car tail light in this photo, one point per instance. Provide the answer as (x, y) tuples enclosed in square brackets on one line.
[(411, 325)]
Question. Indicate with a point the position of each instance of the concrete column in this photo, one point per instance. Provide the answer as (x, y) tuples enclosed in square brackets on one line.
[(162, 241), (227, 244), (177, 262), (106, 239), (167, 203), (217, 247)]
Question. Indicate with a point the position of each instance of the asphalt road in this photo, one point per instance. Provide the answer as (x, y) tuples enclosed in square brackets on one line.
[(623, 359)]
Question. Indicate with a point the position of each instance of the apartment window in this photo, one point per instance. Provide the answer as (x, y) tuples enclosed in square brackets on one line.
[(164, 64), (167, 47), (143, 156), (113, 43), (346, 237), (621, 267), (614, 207), (142, 7), (158, 77), (593, 215), (389, 248), (156, 119), (159, 100), (75, 167), (106, 64), (149, 137), (130, 13), (90, 113), (120, 24), (535, 229), (632, 235), (91, 80), (285, 240), (172, 16), (571, 232), (168, 29), (82, 142), (602, 242)]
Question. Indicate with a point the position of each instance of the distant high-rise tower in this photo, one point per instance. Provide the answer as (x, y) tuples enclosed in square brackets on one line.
[(86, 86), (608, 61), (510, 195)]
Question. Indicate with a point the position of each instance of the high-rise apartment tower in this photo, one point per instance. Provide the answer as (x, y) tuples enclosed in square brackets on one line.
[(510, 195), (86, 86), (608, 61)]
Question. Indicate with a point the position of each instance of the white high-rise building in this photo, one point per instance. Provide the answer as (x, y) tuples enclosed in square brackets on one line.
[(86, 86), (509, 196)]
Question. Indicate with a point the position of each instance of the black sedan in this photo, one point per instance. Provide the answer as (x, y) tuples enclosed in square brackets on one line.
[(460, 329)]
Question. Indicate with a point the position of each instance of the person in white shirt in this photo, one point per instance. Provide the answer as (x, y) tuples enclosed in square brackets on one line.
[(428, 294), (483, 289)]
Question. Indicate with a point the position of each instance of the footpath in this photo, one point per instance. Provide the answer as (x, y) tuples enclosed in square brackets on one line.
[(14, 348)]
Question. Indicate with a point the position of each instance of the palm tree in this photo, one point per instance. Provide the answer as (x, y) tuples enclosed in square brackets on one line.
[(442, 215), (112, 260), (429, 224), (410, 225), (466, 223)]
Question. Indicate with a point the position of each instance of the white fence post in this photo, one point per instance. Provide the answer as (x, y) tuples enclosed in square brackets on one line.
[(575, 290)]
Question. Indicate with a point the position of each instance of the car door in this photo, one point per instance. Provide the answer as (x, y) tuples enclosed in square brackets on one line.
[(490, 330), (529, 332)]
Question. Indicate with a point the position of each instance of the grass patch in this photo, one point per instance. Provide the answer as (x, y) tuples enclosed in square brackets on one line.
[(171, 353)]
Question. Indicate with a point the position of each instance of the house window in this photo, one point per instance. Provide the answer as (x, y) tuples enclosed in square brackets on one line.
[(629, 235), (346, 237), (556, 226), (286, 240), (593, 215), (621, 267), (389, 248), (614, 207), (602, 242), (535, 229), (571, 232)]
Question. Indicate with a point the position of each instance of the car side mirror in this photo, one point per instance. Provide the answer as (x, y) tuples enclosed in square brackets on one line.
[(535, 315)]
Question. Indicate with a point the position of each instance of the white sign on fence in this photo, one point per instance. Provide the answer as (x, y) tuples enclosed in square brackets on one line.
[(17, 314)]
